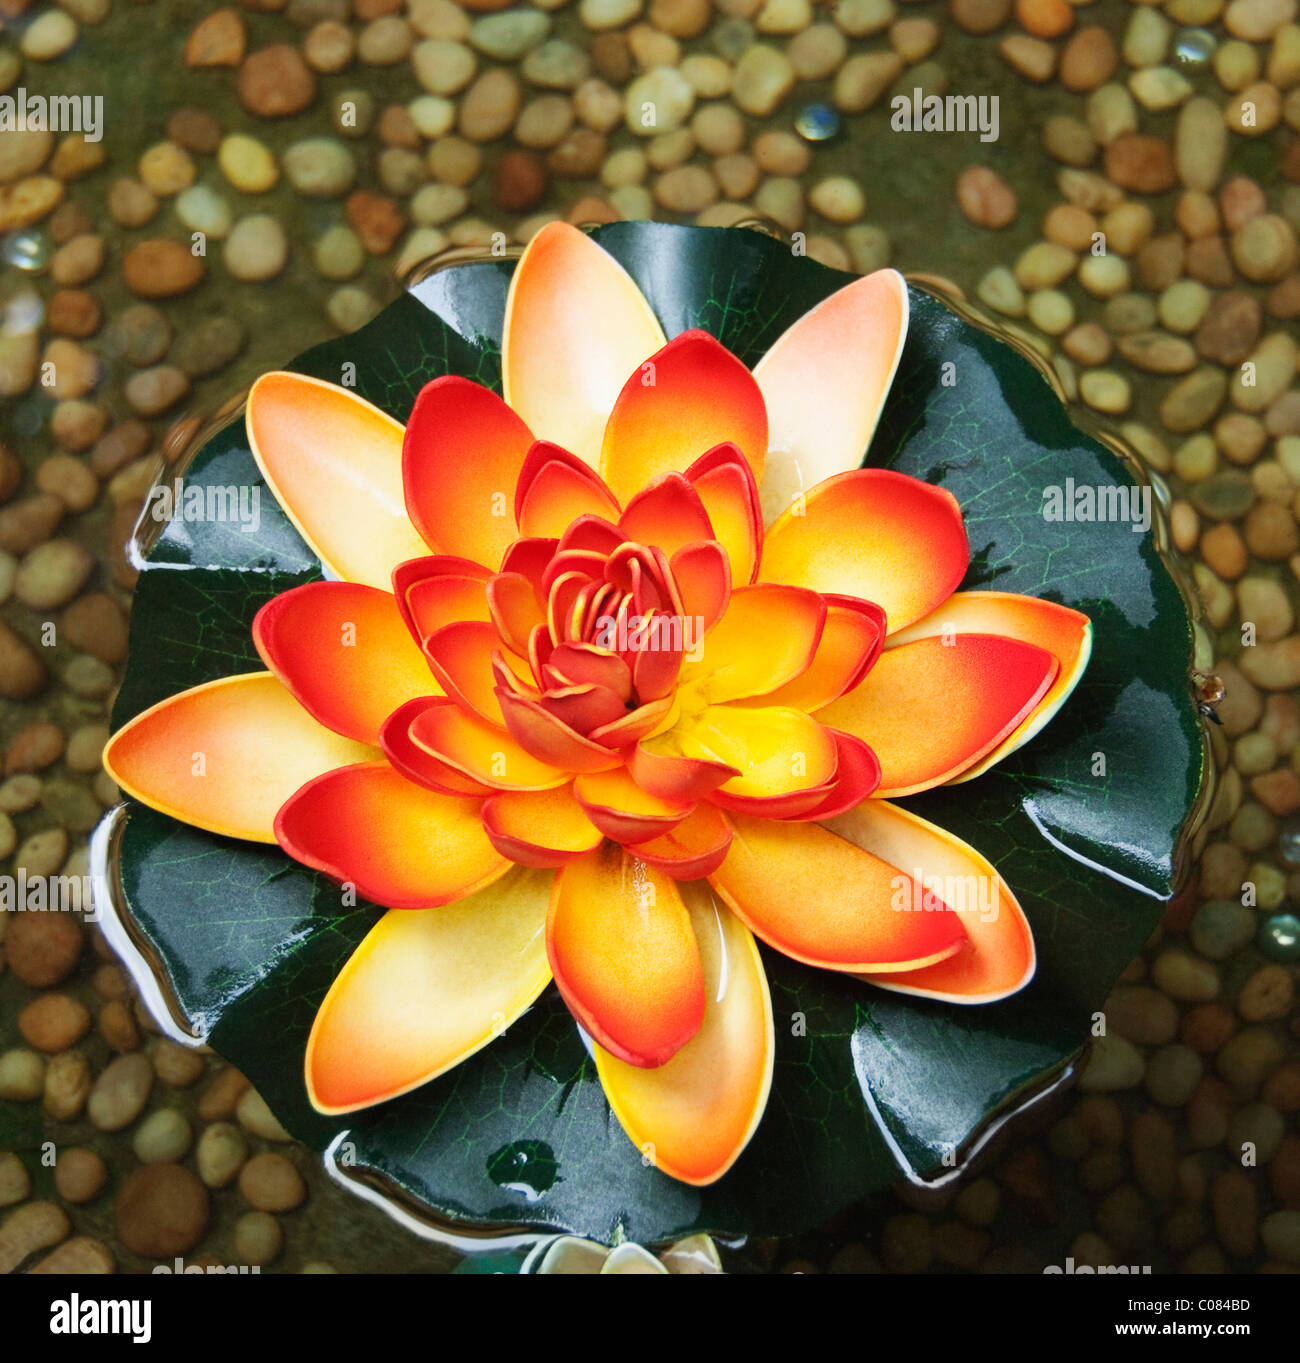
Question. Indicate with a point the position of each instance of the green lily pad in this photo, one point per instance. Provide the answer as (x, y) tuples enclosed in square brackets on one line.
[(868, 1085)]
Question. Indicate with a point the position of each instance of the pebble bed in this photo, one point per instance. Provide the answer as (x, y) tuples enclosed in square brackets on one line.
[(322, 147)]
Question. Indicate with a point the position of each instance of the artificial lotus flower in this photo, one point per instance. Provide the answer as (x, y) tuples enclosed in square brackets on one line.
[(621, 670)]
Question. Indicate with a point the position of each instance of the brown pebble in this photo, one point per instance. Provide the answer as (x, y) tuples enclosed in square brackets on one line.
[(520, 181), (161, 1210), (985, 198), (1141, 163), (79, 1174), (74, 312), (1089, 60), (53, 1022), (221, 1096), (195, 130), (161, 268), (43, 949), (377, 220), (275, 82), (34, 747), (80, 1255), (1230, 328), (217, 40)]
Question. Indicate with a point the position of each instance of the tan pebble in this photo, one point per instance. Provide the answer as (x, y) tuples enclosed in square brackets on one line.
[(271, 1184), (1141, 163), (1070, 226), (116, 1025), (166, 169), (120, 1092), (15, 1181), (863, 78), (254, 1115), (817, 52), (1106, 391), (67, 1085), (22, 1075), (1087, 344), (781, 153), (219, 1099), (1044, 265), (258, 1238), (80, 1255), (838, 198), (161, 268), (1029, 57), (79, 1174), (43, 949), (686, 189), (33, 1226), (1088, 60), (221, 1153)]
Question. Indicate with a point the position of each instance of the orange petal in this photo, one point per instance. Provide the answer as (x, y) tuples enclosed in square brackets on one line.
[(334, 463), (544, 828), (768, 637), (624, 957), (856, 778), (345, 652), (998, 958), (821, 900), (414, 762), (515, 610), (933, 708), (725, 484), (622, 810), (825, 381), (644, 722), (438, 590), (849, 645), (703, 576), (576, 326), (400, 844), (551, 741), (461, 658), (667, 514), (694, 848), (479, 750), (555, 488), (778, 752), (694, 1115), (461, 459), (1064, 633), (226, 755), (884, 536), (658, 765), (425, 990), (690, 396)]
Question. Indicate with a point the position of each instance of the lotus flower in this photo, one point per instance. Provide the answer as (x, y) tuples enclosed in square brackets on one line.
[(621, 670)]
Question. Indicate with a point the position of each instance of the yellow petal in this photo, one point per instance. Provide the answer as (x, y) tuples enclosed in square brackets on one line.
[(693, 1116), (425, 990), (334, 463), (576, 326), (226, 755)]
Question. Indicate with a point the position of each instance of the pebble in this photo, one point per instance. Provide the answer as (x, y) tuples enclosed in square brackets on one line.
[(1267, 995), (658, 102), (1264, 249), (275, 82), (161, 268), (22, 1075), (1029, 57), (271, 1184), (43, 949), (556, 65), (120, 1092), (219, 39), (163, 1135), (247, 163), (258, 1238), (320, 167), (151, 391), (385, 41), (53, 1022), (52, 573), (1193, 401), (222, 1151), (1088, 60), (48, 36), (257, 248), (1184, 978), (256, 1117), (79, 1175), (1113, 1064), (15, 1181), (80, 1255), (67, 1085), (161, 1210), (985, 198), (1141, 163), (838, 198), (35, 1225), (507, 37)]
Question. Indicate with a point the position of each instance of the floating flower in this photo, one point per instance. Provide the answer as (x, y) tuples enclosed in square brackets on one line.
[(618, 674)]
